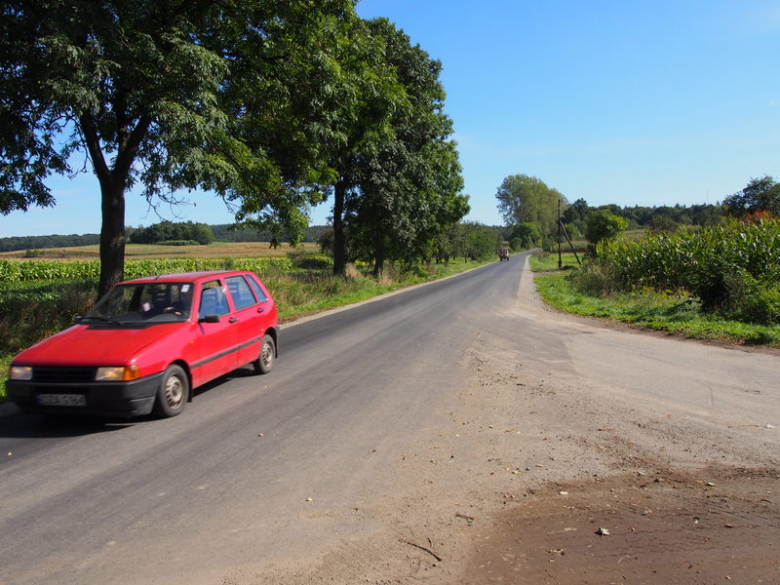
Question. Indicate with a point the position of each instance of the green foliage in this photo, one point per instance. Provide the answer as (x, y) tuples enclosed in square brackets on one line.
[(524, 199), (721, 265), (12, 271), (31, 311), (524, 236), (474, 241), (14, 243), (760, 195), (400, 176), (231, 98), (659, 310), (166, 232), (603, 225)]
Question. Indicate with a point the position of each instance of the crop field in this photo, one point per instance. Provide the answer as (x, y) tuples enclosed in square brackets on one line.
[(217, 249)]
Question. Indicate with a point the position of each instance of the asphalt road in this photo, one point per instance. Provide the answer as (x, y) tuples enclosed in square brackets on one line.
[(173, 501), (390, 442)]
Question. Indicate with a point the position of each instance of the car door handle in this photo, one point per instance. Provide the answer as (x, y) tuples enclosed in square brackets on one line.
[(260, 310), (233, 320)]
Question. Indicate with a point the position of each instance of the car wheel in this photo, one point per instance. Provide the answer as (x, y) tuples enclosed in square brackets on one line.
[(173, 392), (265, 361)]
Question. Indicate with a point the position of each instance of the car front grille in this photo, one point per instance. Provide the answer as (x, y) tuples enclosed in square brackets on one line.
[(64, 375)]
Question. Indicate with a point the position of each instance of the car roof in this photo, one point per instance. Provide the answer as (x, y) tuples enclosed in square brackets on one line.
[(185, 276)]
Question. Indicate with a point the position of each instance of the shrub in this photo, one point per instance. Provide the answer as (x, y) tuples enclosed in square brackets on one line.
[(745, 299)]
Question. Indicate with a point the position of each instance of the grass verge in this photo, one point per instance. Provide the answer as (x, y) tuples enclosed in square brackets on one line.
[(677, 314)]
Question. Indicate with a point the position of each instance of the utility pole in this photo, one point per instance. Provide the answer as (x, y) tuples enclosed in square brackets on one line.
[(560, 262)]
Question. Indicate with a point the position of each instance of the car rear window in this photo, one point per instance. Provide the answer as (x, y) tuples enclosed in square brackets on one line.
[(241, 293)]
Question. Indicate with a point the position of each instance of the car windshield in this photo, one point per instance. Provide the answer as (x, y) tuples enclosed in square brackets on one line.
[(144, 302)]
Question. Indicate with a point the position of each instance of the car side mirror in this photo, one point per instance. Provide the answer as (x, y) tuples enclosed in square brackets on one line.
[(210, 318)]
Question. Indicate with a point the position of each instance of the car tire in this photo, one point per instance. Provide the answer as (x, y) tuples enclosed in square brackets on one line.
[(173, 392), (265, 361)]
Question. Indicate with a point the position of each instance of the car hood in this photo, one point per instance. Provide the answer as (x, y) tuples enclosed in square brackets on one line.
[(87, 345)]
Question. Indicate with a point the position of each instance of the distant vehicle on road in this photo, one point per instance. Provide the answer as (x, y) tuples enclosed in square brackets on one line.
[(503, 254), (147, 344)]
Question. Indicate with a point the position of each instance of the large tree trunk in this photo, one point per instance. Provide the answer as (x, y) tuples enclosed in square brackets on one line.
[(112, 235), (113, 183), (339, 241)]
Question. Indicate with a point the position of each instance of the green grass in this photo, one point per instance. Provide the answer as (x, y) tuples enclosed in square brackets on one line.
[(549, 261), (677, 314), (30, 311)]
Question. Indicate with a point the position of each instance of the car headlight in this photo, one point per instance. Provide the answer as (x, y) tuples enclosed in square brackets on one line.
[(117, 373), (20, 373)]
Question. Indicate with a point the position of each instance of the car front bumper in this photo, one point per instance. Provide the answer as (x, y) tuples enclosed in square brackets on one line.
[(120, 399)]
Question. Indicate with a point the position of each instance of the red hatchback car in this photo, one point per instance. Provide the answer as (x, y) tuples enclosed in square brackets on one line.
[(147, 344)]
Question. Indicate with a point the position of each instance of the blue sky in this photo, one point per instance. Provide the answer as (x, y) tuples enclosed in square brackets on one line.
[(612, 101)]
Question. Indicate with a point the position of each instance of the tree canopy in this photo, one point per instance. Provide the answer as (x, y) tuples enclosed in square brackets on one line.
[(760, 195), (270, 104), (602, 225), (524, 199), (407, 183), (167, 231), (168, 95)]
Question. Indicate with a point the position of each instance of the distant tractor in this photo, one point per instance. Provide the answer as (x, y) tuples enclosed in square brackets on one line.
[(503, 254)]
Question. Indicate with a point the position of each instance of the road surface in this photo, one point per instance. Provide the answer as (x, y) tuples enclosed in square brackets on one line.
[(458, 432)]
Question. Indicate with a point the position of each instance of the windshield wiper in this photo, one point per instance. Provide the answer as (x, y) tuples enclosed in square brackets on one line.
[(98, 318)]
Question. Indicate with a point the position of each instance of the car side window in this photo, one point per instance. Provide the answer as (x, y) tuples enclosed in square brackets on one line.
[(257, 290), (240, 291), (212, 300)]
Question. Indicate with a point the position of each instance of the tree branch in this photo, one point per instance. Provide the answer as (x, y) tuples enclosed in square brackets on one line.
[(92, 140)]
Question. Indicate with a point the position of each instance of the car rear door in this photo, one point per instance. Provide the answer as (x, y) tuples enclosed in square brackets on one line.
[(217, 334), (251, 318)]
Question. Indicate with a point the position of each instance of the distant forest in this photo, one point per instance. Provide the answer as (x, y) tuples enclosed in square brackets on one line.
[(222, 233), (638, 217)]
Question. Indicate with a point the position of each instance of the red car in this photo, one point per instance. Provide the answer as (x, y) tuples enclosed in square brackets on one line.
[(147, 344)]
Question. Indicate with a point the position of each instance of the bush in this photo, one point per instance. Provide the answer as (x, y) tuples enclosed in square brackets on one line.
[(747, 300), (594, 279), (29, 313)]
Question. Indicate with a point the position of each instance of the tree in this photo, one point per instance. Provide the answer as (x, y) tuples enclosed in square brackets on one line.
[(408, 187), (525, 236), (759, 195), (662, 223), (399, 181), (602, 225), (167, 94), (168, 231), (524, 199)]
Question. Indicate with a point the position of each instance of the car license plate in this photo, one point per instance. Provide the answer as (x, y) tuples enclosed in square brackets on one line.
[(62, 400)]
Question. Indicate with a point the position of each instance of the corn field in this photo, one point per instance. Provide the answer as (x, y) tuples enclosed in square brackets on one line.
[(734, 267), (14, 271)]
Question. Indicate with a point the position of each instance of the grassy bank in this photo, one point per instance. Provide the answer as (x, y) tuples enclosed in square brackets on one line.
[(675, 313), (33, 310)]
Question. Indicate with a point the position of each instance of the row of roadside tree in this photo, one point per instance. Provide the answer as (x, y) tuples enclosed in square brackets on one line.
[(274, 106)]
